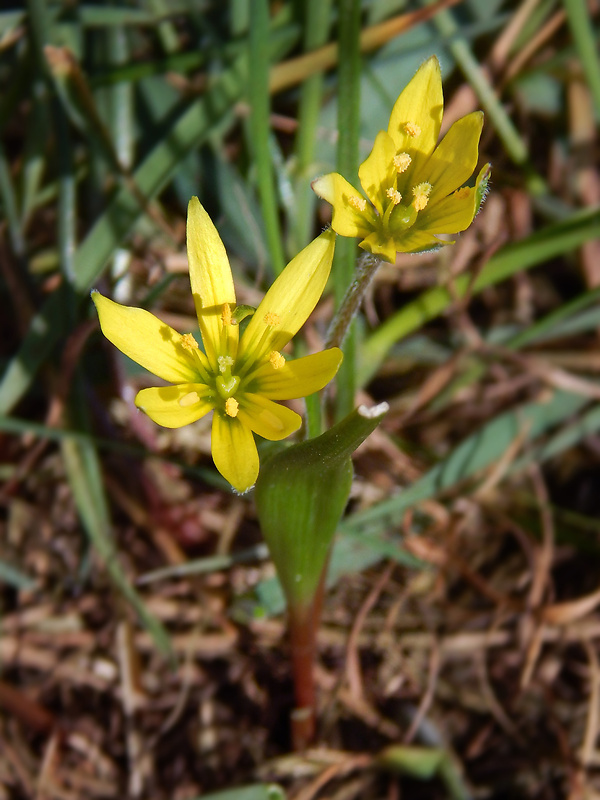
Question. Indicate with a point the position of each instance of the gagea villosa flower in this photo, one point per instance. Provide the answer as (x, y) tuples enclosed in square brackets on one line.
[(414, 188), (238, 378)]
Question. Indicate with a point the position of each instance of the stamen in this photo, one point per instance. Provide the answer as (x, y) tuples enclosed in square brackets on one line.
[(276, 360), (394, 195), (358, 203), (271, 319), (188, 342), (225, 362), (189, 399), (421, 194), (402, 162), (226, 314), (231, 407), (412, 129)]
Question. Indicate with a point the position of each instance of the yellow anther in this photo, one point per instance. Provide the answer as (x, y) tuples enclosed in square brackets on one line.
[(225, 362), (421, 194), (189, 399), (359, 203), (271, 319), (394, 195), (188, 342), (276, 360), (402, 162), (226, 314), (412, 129), (231, 407)]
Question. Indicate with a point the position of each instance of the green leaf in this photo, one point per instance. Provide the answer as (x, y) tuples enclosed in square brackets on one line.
[(300, 497)]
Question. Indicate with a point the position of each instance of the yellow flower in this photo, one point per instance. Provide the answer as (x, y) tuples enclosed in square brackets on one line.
[(412, 185), (238, 378)]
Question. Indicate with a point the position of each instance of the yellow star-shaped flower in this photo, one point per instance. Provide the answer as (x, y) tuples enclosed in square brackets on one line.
[(238, 378), (414, 187)]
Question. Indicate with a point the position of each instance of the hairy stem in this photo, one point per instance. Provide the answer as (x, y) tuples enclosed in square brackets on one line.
[(366, 268)]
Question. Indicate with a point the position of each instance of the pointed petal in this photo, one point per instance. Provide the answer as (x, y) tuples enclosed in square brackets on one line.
[(451, 215), (163, 405), (297, 378), (377, 173), (290, 299), (421, 104), (454, 161), (385, 248), (146, 339), (211, 281), (415, 241), (234, 452), (347, 220), (266, 418)]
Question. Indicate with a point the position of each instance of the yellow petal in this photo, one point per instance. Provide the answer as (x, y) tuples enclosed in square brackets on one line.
[(348, 218), (164, 404), (384, 247), (377, 173), (297, 378), (234, 452), (420, 104), (266, 418), (451, 215), (290, 300), (455, 158), (415, 241), (147, 340), (211, 281)]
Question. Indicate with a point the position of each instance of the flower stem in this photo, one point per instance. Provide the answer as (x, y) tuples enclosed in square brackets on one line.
[(366, 268), (303, 623)]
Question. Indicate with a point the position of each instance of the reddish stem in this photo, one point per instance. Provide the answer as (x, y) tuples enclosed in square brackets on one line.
[(303, 623)]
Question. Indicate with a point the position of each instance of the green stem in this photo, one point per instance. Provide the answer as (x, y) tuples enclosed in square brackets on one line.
[(347, 164), (366, 268)]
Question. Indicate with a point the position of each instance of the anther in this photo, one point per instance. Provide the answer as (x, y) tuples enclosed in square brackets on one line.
[(189, 399), (188, 342), (421, 194), (231, 407), (225, 362), (394, 195), (271, 319), (412, 129), (402, 162), (276, 360), (358, 203), (226, 314)]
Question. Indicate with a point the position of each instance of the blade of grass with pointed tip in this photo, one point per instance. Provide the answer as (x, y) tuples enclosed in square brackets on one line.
[(259, 128)]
